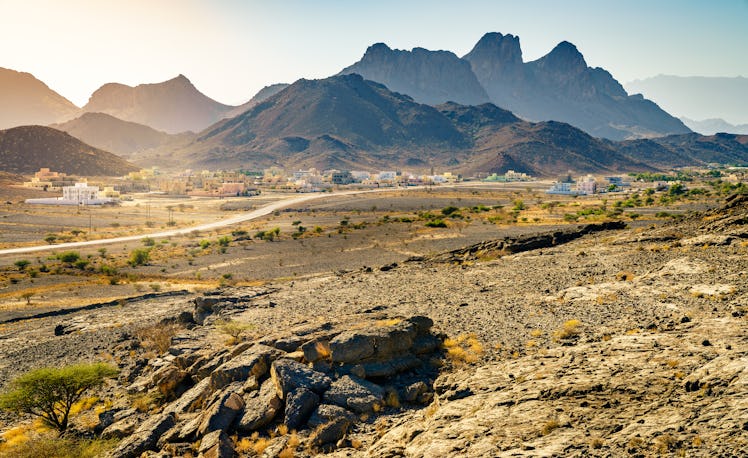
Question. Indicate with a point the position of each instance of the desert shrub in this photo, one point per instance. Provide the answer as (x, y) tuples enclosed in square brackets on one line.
[(139, 257), (81, 264), (568, 330), (234, 328), (21, 264), (239, 233), (204, 244), (519, 205), (158, 336), (224, 241), (446, 211), (436, 223), (50, 239), (49, 393), (148, 241), (69, 256)]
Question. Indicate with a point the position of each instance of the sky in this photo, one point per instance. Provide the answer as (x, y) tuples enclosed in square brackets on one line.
[(230, 49)]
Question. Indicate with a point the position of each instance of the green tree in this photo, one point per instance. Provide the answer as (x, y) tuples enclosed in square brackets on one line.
[(69, 256), (139, 257), (49, 393), (22, 264)]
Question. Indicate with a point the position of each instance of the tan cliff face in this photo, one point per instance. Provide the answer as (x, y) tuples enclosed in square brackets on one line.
[(25, 101)]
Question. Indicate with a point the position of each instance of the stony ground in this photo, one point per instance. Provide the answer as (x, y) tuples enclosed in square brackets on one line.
[(630, 342)]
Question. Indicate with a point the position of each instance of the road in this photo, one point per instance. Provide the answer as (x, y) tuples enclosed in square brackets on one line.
[(254, 214)]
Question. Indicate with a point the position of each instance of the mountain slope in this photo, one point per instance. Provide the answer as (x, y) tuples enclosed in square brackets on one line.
[(328, 123), (698, 97), (689, 149), (28, 148), (172, 106), (25, 100), (560, 86), (111, 134), (430, 77), (262, 95)]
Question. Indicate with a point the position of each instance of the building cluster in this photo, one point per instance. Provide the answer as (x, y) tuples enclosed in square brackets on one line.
[(81, 193), (587, 185), (508, 177)]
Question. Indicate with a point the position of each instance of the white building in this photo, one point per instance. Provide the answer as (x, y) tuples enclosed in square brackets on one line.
[(80, 193), (587, 185)]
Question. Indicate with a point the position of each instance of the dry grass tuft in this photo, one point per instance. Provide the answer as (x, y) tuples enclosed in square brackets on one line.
[(158, 336), (569, 330), (549, 427)]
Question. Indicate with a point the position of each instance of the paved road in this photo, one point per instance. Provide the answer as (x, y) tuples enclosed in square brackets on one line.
[(254, 214)]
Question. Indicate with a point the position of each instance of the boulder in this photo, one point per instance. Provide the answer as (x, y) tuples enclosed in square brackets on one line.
[(167, 380), (300, 403), (221, 413), (329, 433), (145, 437), (375, 343), (355, 394), (288, 344), (389, 367), (316, 349), (260, 407), (414, 391), (216, 444), (120, 429), (352, 347), (192, 399), (204, 306), (288, 375), (328, 412), (253, 362)]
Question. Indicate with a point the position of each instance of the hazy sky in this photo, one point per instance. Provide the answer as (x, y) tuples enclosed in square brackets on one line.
[(231, 48)]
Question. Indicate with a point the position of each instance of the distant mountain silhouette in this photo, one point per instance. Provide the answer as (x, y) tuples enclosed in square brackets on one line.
[(347, 122), (111, 134), (560, 86), (25, 100), (698, 97), (689, 149), (28, 148), (713, 126), (261, 96), (173, 106), (430, 77)]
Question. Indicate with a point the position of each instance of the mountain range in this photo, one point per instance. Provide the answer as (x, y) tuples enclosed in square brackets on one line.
[(713, 126), (559, 86), (347, 122)]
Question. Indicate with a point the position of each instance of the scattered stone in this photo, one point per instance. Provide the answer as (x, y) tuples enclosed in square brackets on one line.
[(145, 437), (288, 375), (222, 413), (412, 392), (216, 444), (121, 428), (253, 362), (327, 412), (300, 403), (329, 433), (260, 407), (355, 394)]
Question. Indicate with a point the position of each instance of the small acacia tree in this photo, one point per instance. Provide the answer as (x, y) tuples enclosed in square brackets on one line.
[(49, 393)]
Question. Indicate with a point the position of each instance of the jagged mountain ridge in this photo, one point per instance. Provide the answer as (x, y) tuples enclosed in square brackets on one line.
[(26, 149), (172, 106), (559, 86), (430, 77), (25, 100)]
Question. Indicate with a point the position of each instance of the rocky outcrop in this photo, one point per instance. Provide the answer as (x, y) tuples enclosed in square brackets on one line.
[(319, 378)]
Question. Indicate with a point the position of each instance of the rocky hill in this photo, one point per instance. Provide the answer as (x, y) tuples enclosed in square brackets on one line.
[(714, 125), (111, 134), (560, 86), (430, 77), (24, 100), (336, 122), (172, 106), (689, 149), (24, 150)]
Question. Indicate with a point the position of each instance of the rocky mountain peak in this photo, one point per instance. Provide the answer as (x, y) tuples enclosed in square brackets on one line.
[(504, 48), (565, 57)]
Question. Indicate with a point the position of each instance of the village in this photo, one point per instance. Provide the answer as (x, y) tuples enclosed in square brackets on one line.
[(247, 183)]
